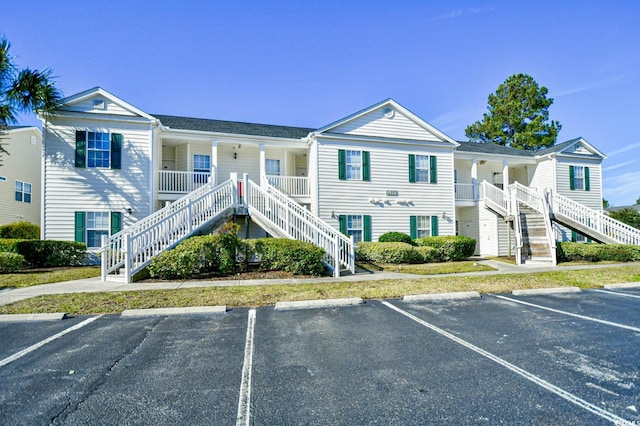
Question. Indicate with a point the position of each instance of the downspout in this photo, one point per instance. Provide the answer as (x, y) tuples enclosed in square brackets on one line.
[(152, 173), (43, 172)]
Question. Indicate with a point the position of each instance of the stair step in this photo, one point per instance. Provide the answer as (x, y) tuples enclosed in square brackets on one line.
[(115, 278)]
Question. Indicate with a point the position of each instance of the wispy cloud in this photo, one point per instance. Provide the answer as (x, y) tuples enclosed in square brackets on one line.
[(623, 189), (458, 13), (624, 149), (453, 122), (617, 166), (607, 82)]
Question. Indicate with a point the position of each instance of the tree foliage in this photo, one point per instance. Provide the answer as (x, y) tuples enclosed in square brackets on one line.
[(23, 90), (518, 116), (627, 215)]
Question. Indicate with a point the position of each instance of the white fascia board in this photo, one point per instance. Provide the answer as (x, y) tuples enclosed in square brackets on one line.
[(582, 141), (99, 117), (512, 159), (32, 129), (79, 97), (380, 140), (169, 133), (415, 118)]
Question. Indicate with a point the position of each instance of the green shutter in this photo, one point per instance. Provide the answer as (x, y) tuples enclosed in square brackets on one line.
[(80, 227), (433, 169), (572, 184), (434, 226), (81, 148), (116, 222), (587, 184), (412, 168), (366, 167), (574, 236), (342, 219), (342, 164), (116, 150), (366, 221), (413, 227)]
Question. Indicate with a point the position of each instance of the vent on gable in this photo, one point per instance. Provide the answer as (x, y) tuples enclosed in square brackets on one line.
[(99, 104), (388, 112)]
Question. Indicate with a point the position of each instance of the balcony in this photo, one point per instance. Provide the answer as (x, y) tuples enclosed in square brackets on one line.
[(174, 182), (294, 186), (466, 193)]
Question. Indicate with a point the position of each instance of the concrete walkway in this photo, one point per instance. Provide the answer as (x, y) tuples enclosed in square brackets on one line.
[(92, 285)]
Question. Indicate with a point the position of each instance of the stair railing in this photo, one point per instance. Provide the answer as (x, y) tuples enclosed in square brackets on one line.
[(133, 248), (495, 197)]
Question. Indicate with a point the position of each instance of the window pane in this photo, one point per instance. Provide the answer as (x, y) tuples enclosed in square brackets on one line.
[(201, 163), (98, 149), (18, 196), (354, 227), (422, 168), (94, 238), (272, 167), (354, 165)]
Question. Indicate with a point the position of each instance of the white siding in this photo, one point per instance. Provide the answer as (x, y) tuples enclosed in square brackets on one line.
[(247, 161), (468, 224), (70, 189), (23, 163), (107, 107), (591, 198), (543, 176), (376, 124), (389, 171)]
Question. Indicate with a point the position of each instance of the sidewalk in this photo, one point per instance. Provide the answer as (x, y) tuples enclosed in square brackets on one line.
[(93, 285)]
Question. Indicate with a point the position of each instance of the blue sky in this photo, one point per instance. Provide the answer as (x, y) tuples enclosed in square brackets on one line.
[(303, 63)]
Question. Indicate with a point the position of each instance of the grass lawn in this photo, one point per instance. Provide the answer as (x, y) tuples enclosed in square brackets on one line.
[(28, 278), (437, 268), (95, 303)]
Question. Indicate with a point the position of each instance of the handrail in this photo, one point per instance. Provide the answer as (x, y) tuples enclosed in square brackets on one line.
[(297, 222), (134, 247), (546, 209), (517, 228), (495, 196), (595, 220), (295, 186), (528, 196)]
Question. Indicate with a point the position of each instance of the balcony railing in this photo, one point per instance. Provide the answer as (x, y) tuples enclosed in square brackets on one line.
[(179, 182), (466, 192), (294, 186)]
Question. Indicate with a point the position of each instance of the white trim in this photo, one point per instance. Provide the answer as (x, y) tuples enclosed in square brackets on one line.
[(79, 97)]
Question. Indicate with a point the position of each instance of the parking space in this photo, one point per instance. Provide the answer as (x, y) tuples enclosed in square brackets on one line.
[(490, 360)]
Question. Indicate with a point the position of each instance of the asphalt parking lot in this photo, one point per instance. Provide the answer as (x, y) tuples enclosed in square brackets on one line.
[(501, 359)]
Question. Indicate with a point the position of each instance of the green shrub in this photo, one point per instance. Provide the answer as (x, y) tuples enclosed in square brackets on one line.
[(387, 252), (593, 252), (228, 244), (282, 254), (427, 254), (49, 253), (191, 257), (395, 237), (449, 247), (9, 245), (21, 230), (10, 262)]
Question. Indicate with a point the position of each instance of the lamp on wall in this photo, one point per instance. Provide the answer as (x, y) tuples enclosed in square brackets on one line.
[(235, 155), (129, 210), (444, 215)]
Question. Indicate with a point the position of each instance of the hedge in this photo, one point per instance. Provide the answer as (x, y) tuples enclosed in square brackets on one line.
[(48, 253), (9, 245), (21, 230), (191, 257), (387, 252), (10, 262), (395, 237), (450, 247), (594, 252), (282, 254)]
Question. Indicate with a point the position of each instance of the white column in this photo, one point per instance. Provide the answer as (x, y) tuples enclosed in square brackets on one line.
[(214, 161), (505, 175), (474, 177), (263, 167)]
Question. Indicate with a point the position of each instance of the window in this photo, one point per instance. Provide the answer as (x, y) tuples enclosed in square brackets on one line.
[(201, 164), (98, 149), (357, 226), (579, 178), (353, 165), (23, 192), (423, 226), (272, 167), (97, 226), (422, 168), (497, 180)]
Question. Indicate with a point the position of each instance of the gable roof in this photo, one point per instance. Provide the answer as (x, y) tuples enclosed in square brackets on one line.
[(234, 127), (565, 146), (491, 148), (98, 91), (395, 106)]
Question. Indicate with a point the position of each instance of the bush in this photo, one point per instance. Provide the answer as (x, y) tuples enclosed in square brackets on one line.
[(10, 262), (9, 245), (22, 230), (387, 252), (395, 237), (228, 244), (427, 254), (48, 253), (449, 247), (593, 252), (189, 258), (282, 254)]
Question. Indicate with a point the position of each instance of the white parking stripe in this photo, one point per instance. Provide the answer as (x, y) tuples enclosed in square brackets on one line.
[(529, 376), (584, 317), (45, 341), (244, 402), (618, 294)]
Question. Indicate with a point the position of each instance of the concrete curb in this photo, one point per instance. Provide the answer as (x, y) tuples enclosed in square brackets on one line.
[(174, 311), (57, 316), (623, 285), (313, 304), (441, 296), (542, 291)]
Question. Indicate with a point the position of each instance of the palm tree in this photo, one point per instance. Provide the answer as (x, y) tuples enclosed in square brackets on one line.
[(23, 90)]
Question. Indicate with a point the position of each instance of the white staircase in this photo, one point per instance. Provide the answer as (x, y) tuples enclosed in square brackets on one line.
[(280, 215), (126, 253)]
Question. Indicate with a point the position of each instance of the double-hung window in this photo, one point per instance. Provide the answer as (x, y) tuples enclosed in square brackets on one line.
[(98, 150), (356, 226), (354, 165), (201, 165), (423, 226), (579, 178), (97, 226), (272, 167), (422, 168), (23, 192)]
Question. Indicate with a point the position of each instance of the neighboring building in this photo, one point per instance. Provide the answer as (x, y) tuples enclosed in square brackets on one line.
[(20, 175), (109, 165)]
